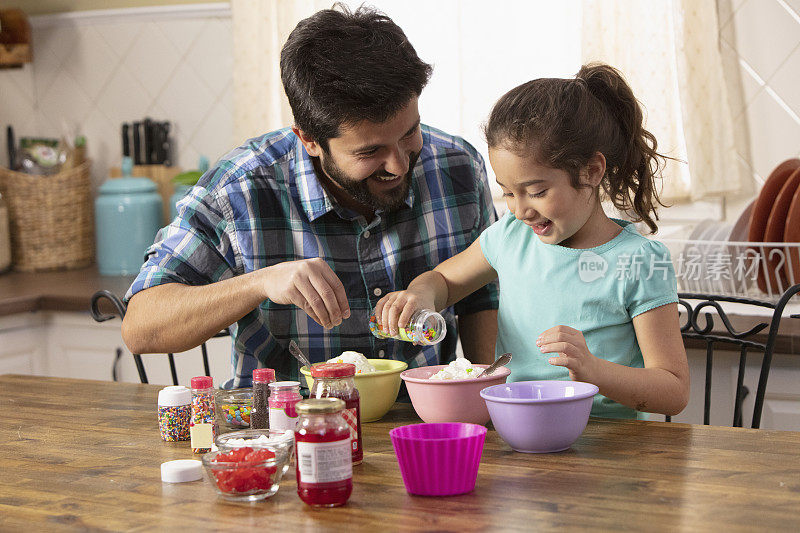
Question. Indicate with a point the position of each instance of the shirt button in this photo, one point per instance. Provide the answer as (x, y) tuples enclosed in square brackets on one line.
[(381, 353), (377, 291), (367, 234)]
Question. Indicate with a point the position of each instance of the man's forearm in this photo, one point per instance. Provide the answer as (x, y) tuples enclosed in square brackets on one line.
[(478, 332), (175, 317)]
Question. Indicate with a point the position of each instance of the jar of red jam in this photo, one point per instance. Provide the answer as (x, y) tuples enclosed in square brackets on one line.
[(323, 458), (336, 380)]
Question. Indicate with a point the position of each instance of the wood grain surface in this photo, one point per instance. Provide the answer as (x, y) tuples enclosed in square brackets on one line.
[(85, 455)]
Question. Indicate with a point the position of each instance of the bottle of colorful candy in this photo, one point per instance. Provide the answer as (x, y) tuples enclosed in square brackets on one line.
[(259, 415), (426, 327), (283, 396), (203, 427), (336, 380), (174, 412)]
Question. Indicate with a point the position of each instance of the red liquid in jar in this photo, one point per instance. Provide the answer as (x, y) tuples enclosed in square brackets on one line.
[(322, 494), (352, 403)]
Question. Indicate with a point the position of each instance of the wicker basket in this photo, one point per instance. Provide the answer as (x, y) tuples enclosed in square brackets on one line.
[(51, 219)]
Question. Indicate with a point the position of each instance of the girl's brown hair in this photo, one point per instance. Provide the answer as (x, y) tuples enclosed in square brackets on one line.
[(564, 122)]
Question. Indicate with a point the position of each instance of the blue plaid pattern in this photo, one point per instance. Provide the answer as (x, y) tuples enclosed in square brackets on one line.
[(262, 204)]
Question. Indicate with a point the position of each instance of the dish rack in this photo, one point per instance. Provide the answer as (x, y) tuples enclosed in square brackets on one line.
[(755, 270)]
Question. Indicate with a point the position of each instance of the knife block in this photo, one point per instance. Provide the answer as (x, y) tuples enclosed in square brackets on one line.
[(162, 177)]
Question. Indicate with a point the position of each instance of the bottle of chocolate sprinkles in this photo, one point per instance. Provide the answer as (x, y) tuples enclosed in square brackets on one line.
[(259, 415)]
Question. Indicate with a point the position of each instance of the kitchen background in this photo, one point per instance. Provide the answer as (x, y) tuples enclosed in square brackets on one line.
[(99, 64), (96, 69)]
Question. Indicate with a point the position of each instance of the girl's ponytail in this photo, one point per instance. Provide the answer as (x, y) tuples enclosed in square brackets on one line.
[(632, 161)]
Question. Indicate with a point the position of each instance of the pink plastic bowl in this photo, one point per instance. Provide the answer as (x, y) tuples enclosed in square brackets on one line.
[(438, 459), (450, 400)]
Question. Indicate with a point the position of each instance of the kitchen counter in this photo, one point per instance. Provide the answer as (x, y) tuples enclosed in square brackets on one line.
[(85, 455), (66, 290)]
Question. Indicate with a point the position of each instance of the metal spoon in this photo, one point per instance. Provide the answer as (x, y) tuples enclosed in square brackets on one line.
[(294, 349), (502, 360)]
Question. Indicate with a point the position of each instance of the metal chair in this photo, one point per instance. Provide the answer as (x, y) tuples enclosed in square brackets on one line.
[(692, 330), (120, 309)]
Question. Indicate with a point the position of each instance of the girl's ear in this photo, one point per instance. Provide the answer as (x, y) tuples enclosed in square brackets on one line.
[(312, 147), (595, 169)]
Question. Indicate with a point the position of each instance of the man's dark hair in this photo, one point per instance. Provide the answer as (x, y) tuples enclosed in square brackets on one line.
[(340, 67)]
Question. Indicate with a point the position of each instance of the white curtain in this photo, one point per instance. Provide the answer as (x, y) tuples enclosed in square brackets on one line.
[(260, 28), (669, 52)]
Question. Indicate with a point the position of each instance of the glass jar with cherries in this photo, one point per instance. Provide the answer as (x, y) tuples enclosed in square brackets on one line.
[(323, 453)]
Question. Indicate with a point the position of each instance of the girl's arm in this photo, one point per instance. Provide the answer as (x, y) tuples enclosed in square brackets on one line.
[(443, 286), (662, 386)]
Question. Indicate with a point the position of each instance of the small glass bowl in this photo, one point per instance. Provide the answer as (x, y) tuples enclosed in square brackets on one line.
[(244, 481), (278, 441), (233, 409)]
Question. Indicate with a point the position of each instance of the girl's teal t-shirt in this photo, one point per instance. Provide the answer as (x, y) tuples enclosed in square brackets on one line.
[(595, 290)]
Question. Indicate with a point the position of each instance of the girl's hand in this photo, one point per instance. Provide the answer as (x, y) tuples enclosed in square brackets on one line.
[(396, 308), (572, 352)]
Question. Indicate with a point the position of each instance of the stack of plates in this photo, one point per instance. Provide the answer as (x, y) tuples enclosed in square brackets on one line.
[(775, 217)]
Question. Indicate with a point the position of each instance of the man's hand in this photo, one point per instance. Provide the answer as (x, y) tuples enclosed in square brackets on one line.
[(311, 285), (572, 352)]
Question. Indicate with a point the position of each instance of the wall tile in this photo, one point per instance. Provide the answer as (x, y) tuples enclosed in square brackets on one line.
[(211, 55), (774, 135), (786, 81), (765, 35), (65, 102), (123, 99), (182, 33), (152, 59), (92, 62)]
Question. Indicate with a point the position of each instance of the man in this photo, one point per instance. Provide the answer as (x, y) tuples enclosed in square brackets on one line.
[(298, 233)]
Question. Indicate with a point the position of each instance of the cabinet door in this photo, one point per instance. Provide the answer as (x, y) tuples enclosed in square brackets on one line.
[(81, 348), (21, 348)]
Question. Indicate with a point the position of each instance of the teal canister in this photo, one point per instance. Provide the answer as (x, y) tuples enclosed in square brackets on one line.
[(127, 217)]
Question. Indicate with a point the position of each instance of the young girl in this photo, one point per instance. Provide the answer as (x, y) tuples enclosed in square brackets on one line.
[(582, 296)]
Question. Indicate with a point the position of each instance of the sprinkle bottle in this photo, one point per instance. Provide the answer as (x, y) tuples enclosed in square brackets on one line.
[(203, 426), (336, 380), (322, 445), (259, 415), (426, 328), (174, 413), (283, 396)]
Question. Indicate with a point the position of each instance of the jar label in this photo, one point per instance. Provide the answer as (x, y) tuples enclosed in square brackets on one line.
[(324, 462), (351, 417), (280, 419)]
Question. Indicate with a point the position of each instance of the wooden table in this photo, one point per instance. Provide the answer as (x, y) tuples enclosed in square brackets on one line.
[(85, 455)]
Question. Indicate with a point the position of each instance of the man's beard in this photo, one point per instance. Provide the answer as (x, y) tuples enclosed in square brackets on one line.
[(359, 189)]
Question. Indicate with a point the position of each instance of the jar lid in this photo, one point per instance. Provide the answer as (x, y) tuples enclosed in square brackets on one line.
[(202, 382), (181, 471), (263, 374), (174, 395), (318, 406), (127, 185), (333, 370), (283, 384)]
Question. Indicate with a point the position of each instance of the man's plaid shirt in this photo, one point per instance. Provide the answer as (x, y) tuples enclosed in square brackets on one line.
[(263, 204)]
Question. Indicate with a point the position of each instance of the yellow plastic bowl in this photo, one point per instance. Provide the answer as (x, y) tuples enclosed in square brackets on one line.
[(378, 390)]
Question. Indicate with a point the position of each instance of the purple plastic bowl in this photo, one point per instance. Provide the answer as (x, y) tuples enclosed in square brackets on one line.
[(438, 459), (540, 416)]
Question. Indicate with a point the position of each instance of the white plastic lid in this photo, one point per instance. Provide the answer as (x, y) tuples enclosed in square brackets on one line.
[(181, 471), (174, 395)]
